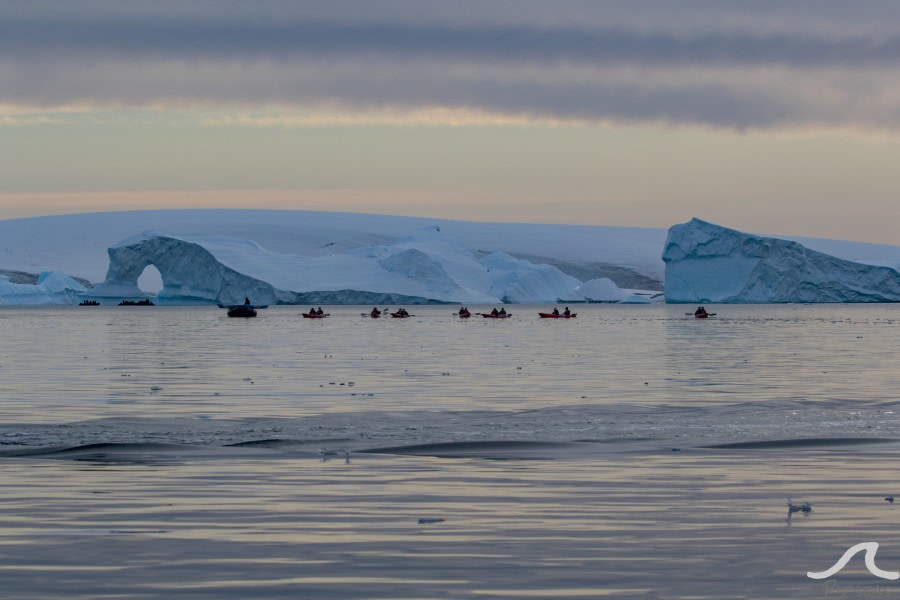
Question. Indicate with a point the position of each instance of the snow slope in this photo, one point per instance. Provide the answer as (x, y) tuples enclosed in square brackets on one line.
[(706, 263)]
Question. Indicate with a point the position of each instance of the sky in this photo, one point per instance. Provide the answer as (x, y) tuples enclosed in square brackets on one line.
[(769, 117)]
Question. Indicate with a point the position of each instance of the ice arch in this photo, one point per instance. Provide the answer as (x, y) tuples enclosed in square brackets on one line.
[(189, 273), (150, 281)]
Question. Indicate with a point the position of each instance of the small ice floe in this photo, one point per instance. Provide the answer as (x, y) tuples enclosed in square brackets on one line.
[(429, 520), (890, 499), (806, 507)]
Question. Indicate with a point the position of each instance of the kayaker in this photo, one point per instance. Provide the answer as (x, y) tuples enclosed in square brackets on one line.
[(247, 301), (320, 312), (567, 312), (555, 312), (700, 311), (375, 312), (494, 312), (312, 312), (403, 312), (463, 310), (502, 311)]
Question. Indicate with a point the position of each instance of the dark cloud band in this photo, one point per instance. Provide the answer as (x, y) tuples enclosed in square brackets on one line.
[(633, 67)]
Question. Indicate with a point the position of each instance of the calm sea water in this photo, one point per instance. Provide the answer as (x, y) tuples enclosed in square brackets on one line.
[(174, 452)]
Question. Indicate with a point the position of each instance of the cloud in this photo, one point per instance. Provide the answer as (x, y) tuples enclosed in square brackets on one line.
[(812, 64)]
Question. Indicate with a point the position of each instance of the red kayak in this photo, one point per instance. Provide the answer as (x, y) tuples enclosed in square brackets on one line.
[(701, 315), (490, 316), (399, 316), (465, 315), (309, 316), (552, 316)]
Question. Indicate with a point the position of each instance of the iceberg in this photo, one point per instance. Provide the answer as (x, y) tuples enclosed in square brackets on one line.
[(602, 290), (51, 287), (707, 263), (425, 266), (520, 281), (636, 299)]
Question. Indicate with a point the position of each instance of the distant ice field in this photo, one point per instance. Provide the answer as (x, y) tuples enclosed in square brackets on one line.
[(77, 243)]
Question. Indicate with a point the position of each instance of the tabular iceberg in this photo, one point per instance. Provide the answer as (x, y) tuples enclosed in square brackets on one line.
[(707, 263)]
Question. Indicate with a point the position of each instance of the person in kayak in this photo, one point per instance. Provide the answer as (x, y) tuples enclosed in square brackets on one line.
[(312, 312), (463, 310), (375, 312), (247, 301), (502, 312), (700, 311), (567, 312), (494, 312), (555, 312), (320, 312)]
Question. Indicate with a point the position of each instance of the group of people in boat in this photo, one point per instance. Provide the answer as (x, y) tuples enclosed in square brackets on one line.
[(464, 311), (700, 311), (498, 313), (316, 312), (401, 312), (144, 302), (565, 313)]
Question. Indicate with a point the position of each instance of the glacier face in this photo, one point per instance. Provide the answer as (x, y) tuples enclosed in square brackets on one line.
[(424, 266), (707, 263)]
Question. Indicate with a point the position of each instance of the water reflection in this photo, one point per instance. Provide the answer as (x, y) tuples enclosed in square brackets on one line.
[(699, 525)]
